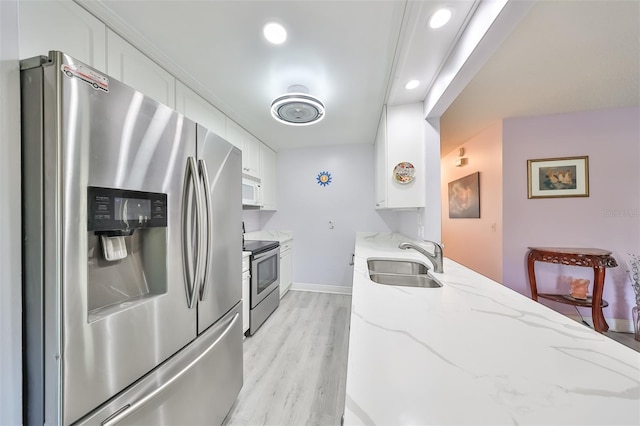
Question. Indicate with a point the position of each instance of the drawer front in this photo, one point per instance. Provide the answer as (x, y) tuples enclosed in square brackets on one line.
[(287, 245), (245, 263)]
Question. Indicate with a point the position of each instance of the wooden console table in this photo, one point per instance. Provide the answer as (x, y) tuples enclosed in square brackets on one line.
[(589, 257)]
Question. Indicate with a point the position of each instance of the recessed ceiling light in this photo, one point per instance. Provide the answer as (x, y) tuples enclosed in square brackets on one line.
[(440, 18), (412, 84), (274, 33)]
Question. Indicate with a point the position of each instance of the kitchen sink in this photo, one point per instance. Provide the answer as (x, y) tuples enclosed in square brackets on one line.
[(406, 280), (392, 266), (401, 272)]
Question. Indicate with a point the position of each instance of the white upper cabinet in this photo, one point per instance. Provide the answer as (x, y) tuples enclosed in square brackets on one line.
[(249, 145), (193, 106), (234, 134), (61, 25), (380, 158), (129, 65), (400, 140), (269, 184), (251, 156)]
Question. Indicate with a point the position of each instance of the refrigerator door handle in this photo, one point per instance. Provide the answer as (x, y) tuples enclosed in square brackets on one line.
[(204, 175), (127, 410), (191, 274)]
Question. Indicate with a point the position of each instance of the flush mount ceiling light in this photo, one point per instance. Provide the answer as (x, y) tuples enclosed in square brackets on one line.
[(440, 18), (274, 33), (297, 107), (412, 84)]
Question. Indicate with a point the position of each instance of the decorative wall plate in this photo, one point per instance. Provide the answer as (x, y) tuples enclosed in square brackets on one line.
[(403, 172)]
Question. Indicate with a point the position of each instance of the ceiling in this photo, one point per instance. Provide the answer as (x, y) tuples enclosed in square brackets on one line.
[(356, 55), (565, 56)]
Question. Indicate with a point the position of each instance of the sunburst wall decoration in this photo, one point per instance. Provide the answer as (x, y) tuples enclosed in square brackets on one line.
[(324, 178)]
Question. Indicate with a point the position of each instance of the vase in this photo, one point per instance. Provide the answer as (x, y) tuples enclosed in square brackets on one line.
[(635, 316)]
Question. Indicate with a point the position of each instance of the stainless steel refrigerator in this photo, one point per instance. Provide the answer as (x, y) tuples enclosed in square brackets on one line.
[(132, 270)]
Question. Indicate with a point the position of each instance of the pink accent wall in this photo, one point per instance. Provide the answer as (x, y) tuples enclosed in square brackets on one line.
[(609, 218), (477, 243)]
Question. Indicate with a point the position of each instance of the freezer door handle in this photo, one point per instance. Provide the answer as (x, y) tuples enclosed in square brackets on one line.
[(127, 410), (191, 272), (204, 176)]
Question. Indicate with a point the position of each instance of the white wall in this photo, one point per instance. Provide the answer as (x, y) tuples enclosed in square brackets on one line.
[(10, 244), (321, 255)]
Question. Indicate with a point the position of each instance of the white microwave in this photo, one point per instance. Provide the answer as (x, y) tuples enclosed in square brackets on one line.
[(251, 193)]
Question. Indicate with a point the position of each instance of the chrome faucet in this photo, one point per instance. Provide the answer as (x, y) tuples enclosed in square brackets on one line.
[(435, 258)]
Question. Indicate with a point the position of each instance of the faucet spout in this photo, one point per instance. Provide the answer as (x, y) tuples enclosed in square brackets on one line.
[(435, 258)]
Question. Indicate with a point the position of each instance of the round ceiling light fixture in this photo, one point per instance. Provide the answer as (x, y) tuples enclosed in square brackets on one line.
[(297, 107), (440, 18), (274, 33)]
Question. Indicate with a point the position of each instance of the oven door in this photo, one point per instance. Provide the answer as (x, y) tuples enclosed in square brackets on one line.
[(265, 275)]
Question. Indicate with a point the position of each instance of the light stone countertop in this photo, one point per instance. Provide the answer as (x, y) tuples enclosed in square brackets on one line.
[(280, 236), (475, 352)]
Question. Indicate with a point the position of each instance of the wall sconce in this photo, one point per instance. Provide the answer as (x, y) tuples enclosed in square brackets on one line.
[(461, 161)]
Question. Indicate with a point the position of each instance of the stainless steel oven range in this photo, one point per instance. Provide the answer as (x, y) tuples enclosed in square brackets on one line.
[(265, 281)]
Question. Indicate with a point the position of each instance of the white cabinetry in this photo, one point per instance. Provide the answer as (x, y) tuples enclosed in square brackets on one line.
[(249, 145), (246, 282), (268, 166), (193, 106), (64, 26), (400, 139), (129, 65), (251, 156), (286, 266)]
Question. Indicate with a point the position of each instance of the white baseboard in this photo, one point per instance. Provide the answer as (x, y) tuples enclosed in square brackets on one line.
[(615, 324), (321, 288)]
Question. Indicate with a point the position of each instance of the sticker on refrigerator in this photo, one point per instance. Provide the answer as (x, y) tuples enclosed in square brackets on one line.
[(87, 75)]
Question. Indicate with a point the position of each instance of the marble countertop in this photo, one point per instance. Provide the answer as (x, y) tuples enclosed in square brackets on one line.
[(280, 236), (475, 352)]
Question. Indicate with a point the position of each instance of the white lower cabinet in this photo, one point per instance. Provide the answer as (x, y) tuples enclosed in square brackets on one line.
[(286, 266), (246, 293)]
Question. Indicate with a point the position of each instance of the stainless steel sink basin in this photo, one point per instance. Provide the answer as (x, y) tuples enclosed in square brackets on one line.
[(405, 280), (401, 272), (399, 266)]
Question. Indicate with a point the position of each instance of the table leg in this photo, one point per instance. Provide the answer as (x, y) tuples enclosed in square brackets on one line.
[(532, 276), (599, 323)]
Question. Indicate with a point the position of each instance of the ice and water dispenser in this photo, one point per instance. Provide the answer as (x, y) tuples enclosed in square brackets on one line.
[(127, 248)]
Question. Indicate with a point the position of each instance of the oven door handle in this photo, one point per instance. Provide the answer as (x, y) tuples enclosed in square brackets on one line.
[(266, 254)]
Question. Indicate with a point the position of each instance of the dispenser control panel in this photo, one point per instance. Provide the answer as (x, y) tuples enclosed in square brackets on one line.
[(115, 211)]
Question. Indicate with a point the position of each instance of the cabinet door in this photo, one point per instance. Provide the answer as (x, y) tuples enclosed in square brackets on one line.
[(380, 158), (235, 135), (246, 280), (193, 106), (405, 142), (269, 185), (251, 161), (132, 67), (61, 25), (286, 276)]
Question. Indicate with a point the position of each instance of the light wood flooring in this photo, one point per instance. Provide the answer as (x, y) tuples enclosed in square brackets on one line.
[(295, 365)]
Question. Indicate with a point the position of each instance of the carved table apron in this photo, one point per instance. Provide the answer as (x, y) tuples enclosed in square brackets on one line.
[(597, 259)]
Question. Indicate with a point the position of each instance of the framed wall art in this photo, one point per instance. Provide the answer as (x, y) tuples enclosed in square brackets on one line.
[(558, 177), (464, 197)]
